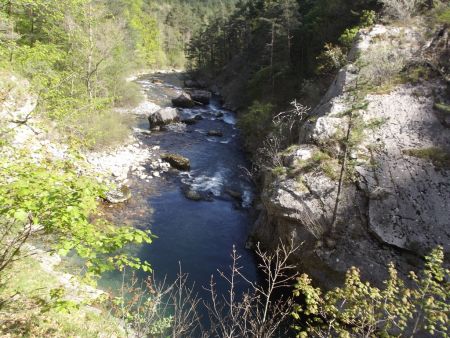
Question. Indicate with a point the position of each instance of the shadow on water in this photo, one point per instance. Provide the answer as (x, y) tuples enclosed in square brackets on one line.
[(199, 235)]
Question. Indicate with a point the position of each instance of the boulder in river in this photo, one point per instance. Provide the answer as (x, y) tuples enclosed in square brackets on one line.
[(202, 96), (237, 195), (163, 117), (177, 161), (197, 196), (190, 121), (215, 133), (183, 101)]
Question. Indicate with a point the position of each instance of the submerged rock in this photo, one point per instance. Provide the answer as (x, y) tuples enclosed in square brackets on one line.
[(190, 121), (183, 101), (118, 196), (177, 161), (237, 195), (163, 117), (197, 196), (215, 133)]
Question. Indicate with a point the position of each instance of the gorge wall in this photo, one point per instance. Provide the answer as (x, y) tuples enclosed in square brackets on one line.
[(368, 182)]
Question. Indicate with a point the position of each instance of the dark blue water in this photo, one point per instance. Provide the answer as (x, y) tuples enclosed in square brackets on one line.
[(199, 235)]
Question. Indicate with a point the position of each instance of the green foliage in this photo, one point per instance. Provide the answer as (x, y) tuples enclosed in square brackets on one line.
[(368, 18), (443, 16), (332, 58), (279, 171), (256, 122), (439, 157), (360, 309), (347, 38), (53, 196), (442, 107), (34, 313)]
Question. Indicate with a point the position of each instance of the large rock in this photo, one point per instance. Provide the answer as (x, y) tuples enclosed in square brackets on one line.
[(183, 101), (202, 96), (394, 201), (177, 161), (163, 117)]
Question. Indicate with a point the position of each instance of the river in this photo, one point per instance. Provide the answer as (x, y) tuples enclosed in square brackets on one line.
[(198, 235)]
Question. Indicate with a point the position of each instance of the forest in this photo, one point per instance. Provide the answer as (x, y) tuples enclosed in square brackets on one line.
[(66, 94)]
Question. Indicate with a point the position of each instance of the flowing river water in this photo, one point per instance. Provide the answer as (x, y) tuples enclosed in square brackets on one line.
[(198, 235)]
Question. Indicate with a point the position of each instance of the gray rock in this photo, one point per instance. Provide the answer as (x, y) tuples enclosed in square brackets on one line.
[(202, 96), (237, 195), (190, 121), (395, 207), (177, 161), (215, 133), (183, 101), (163, 117)]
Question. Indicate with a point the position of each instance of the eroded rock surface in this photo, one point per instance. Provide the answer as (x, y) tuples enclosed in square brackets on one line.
[(394, 203)]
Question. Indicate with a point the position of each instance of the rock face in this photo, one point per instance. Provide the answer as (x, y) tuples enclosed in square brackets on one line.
[(394, 199), (183, 101), (202, 96), (163, 117), (177, 161)]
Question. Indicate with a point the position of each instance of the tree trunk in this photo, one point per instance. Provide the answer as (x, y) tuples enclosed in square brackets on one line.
[(90, 55)]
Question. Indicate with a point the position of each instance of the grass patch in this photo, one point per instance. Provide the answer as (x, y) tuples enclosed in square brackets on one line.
[(376, 123), (279, 171), (24, 317), (319, 160), (438, 156), (442, 108), (97, 130)]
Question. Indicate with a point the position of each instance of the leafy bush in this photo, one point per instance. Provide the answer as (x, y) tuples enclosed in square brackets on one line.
[(349, 35), (368, 18), (331, 58), (55, 198), (359, 309)]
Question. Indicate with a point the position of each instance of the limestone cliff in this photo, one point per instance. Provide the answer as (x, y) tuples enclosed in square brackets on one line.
[(369, 182)]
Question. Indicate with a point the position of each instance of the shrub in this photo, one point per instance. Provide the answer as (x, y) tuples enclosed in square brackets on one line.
[(53, 197), (331, 58), (349, 35), (381, 64), (359, 309), (401, 9), (368, 18), (95, 130)]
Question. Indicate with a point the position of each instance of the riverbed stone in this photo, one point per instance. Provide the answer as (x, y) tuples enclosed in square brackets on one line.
[(118, 196), (202, 96), (215, 133), (189, 121), (183, 101), (163, 117), (177, 161)]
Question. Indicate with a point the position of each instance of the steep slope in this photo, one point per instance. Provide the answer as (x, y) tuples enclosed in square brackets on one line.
[(369, 181)]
